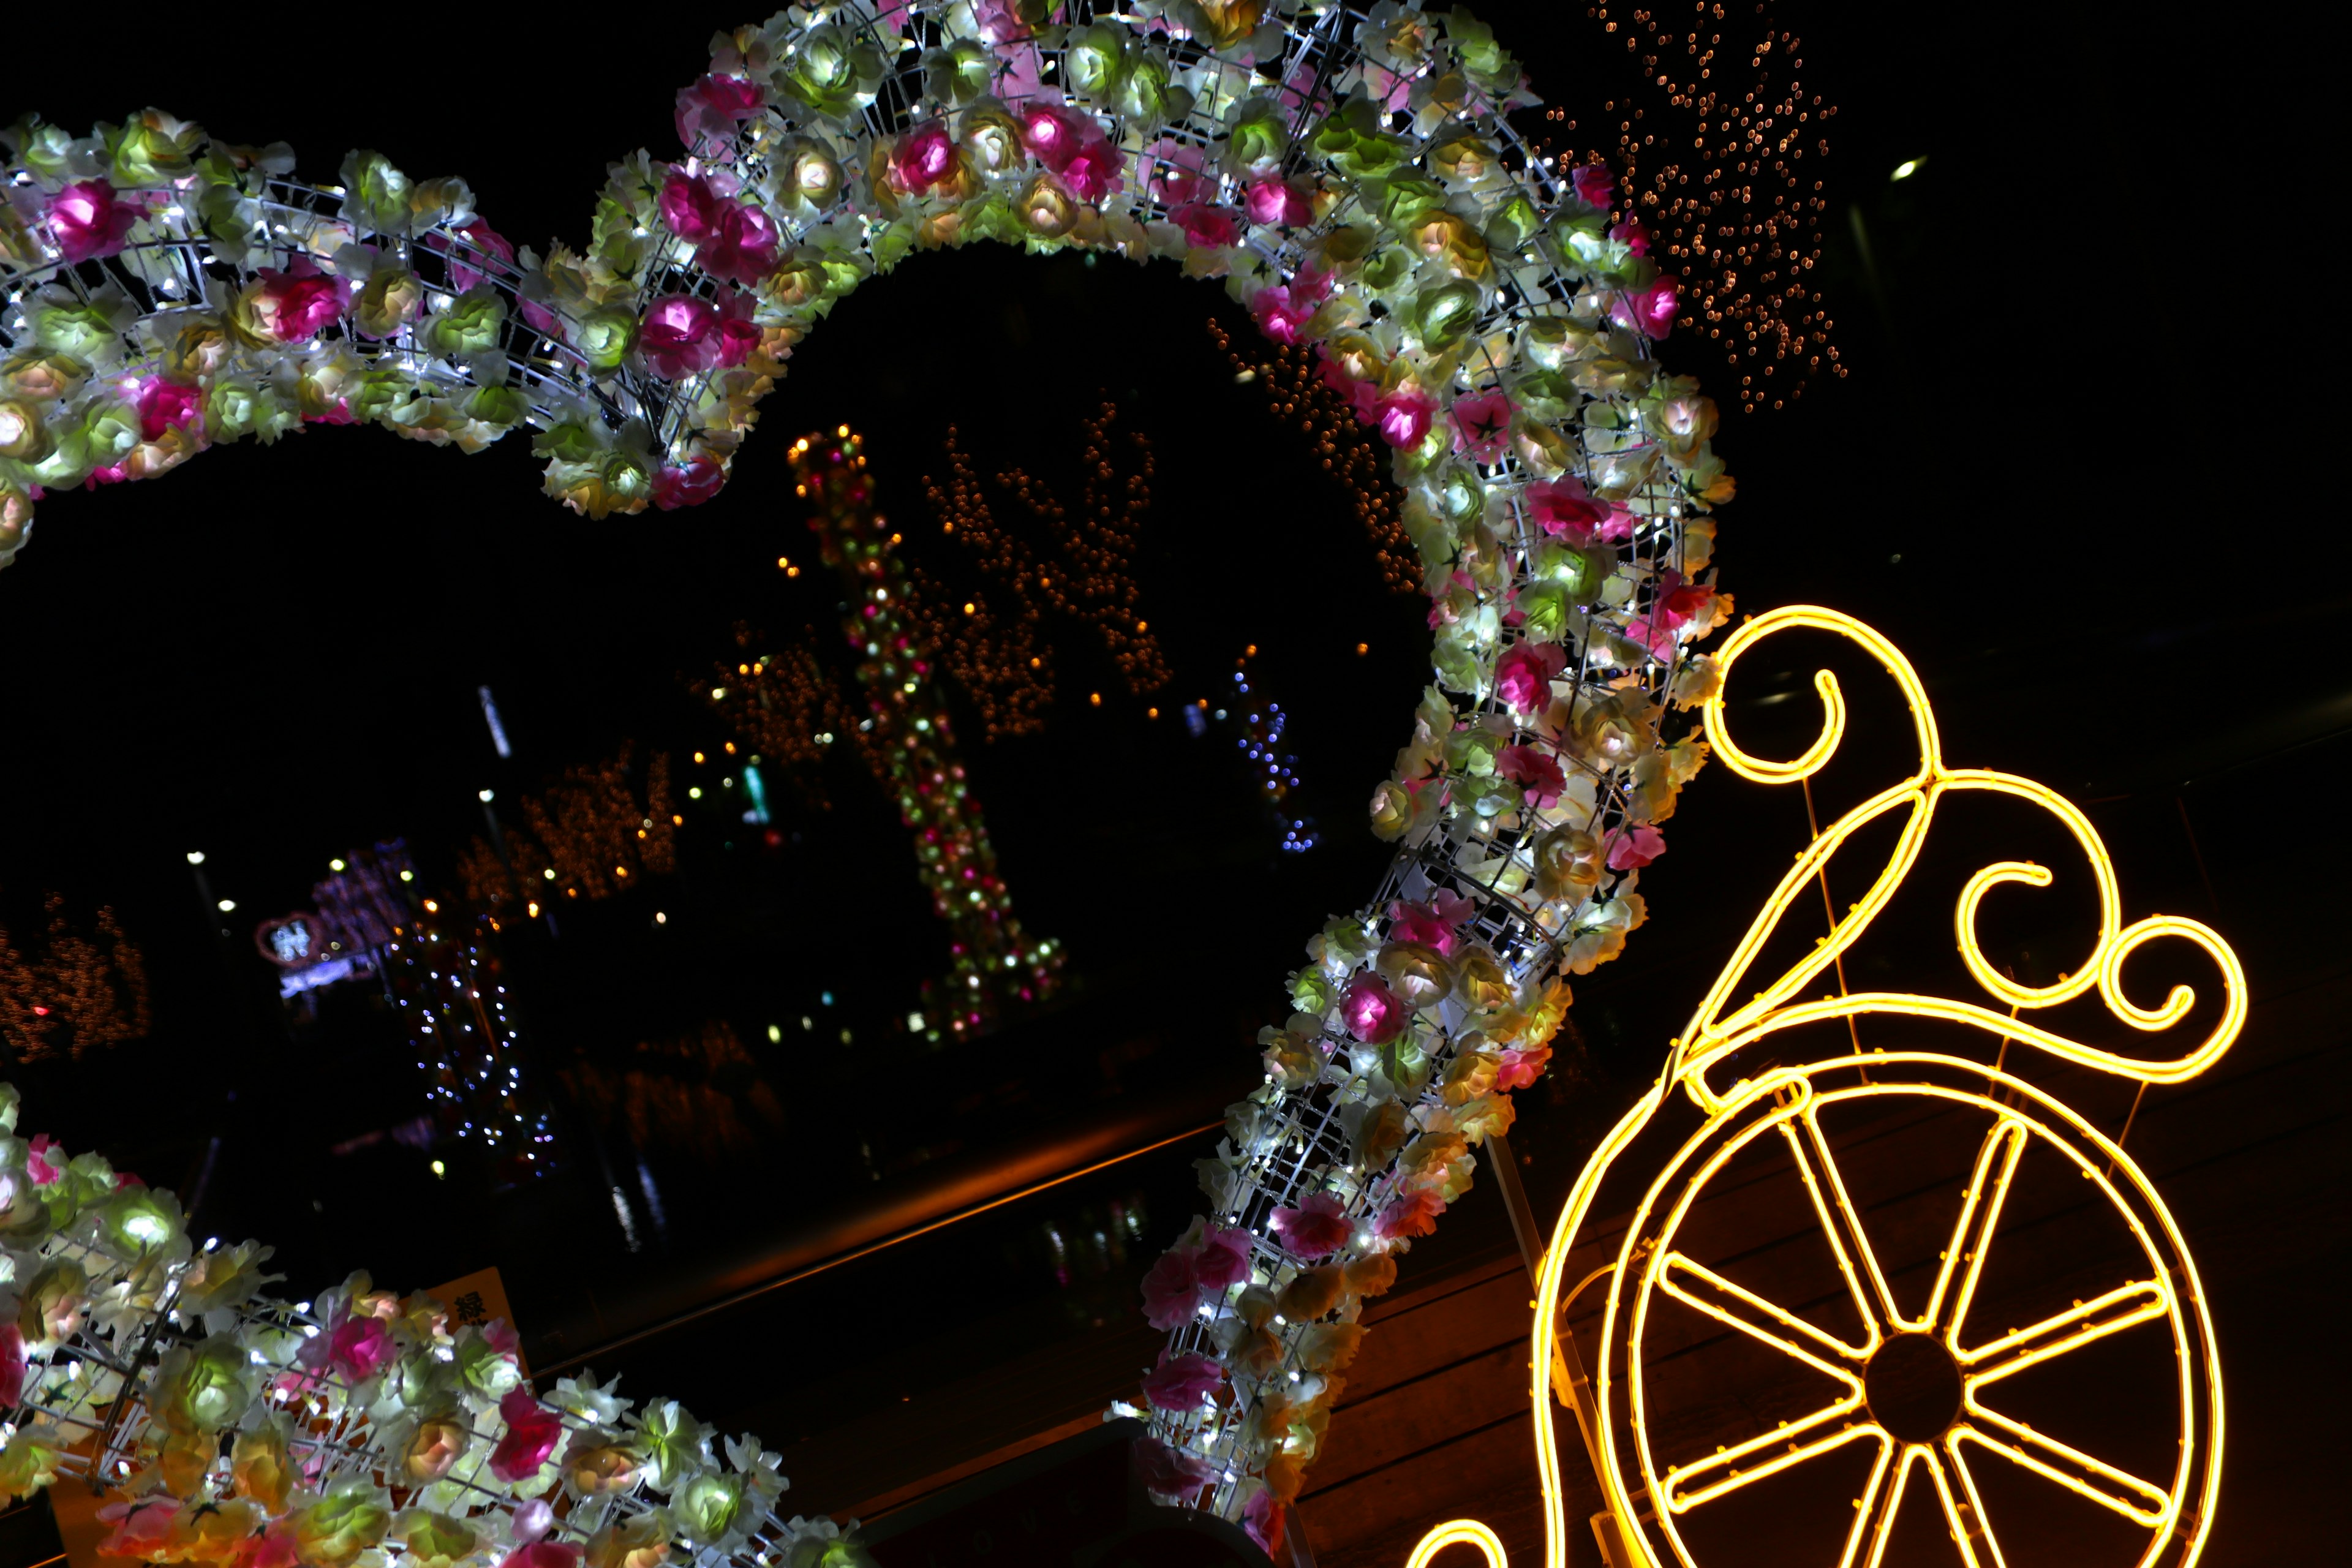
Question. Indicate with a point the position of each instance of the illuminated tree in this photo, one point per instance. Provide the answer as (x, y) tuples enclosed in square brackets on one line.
[(74, 992)]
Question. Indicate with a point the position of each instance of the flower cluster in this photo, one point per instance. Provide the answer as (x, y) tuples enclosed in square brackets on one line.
[(1350, 177), (359, 1428)]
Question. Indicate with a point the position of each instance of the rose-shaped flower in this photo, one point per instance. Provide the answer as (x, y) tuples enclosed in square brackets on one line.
[(1595, 186), (1419, 975), (480, 240), (530, 1437), (376, 193), (1480, 983), (542, 1554), (1537, 773), (87, 223), (1312, 1294), (690, 484), (1171, 1289), (639, 1540), (1414, 1214), (680, 336), (1649, 311), (809, 174), (1093, 171), (204, 1387), (260, 1465), (1634, 847), (925, 156), (24, 434), (1175, 1474), (604, 336), (1047, 208), (597, 1463), (472, 324), (1205, 226), (1258, 137), (435, 1540), (689, 206), (152, 148), (1403, 418), (53, 1303), (1523, 676), (435, 1445), (1482, 427), (12, 1366), (1317, 1228), (1054, 134), (1276, 201), (353, 1516), (359, 1348), (710, 111), (708, 1509), (1181, 1383), (1371, 1010), (741, 246), (137, 1222)]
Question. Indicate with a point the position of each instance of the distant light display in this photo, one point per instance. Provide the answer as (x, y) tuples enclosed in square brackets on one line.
[(290, 941), (1272, 766), (446, 981), (908, 742), (71, 992), (595, 832)]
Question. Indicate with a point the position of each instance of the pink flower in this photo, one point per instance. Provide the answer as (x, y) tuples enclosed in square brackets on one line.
[(1206, 227), (12, 1366), (1280, 315), (1564, 509), (711, 111), (1403, 418), (1224, 1258), (543, 1554), (739, 335), (1171, 1289), (1316, 1228), (1535, 771), (999, 21), (689, 206), (359, 1348), (165, 405), (300, 303), (1595, 186), (1636, 237), (501, 1336), (1633, 847), (1277, 202), (483, 237), (1523, 676), (927, 155), (40, 1167), (1679, 602), (1432, 924), (1170, 1472), (530, 1437), (1648, 311), (1372, 1013), (741, 246), (1521, 1067), (691, 484), (1482, 426), (142, 1528), (531, 1520), (1183, 1382), (1414, 1214), (1053, 136), (680, 336), (1092, 172), (1262, 1518), (89, 222)]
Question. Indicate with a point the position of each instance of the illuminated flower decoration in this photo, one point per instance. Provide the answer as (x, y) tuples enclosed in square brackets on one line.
[(1182, 1382), (1317, 1228), (86, 221)]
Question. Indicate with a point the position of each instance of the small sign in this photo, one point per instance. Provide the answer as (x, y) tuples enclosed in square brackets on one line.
[(291, 941), (478, 1298)]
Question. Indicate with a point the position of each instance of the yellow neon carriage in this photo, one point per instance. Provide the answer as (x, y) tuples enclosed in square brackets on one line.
[(1909, 1387)]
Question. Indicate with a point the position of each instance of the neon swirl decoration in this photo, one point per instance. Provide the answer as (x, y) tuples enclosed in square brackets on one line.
[(1784, 1104)]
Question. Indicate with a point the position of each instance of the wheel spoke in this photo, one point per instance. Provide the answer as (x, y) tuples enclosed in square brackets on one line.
[(2062, 1332), (2141, 1501), (1874, 1524), (1701, 1288), (1961, 1517), (1980, 1523), (1688, 1486), (1971, 1238), (1873, 1302)]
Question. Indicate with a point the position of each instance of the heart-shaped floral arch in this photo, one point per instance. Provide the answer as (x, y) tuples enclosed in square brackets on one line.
[(1350, 176)]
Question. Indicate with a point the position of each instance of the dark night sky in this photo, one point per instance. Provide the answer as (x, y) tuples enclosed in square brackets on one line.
[(2080, 471)]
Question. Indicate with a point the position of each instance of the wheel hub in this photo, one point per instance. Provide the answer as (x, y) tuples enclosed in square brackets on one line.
[(1913, 1385)]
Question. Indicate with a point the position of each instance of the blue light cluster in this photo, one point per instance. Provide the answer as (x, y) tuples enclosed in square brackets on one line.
[(1274, 769)]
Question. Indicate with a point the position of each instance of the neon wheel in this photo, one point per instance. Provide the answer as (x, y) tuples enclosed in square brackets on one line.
[(1903, 1387)]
